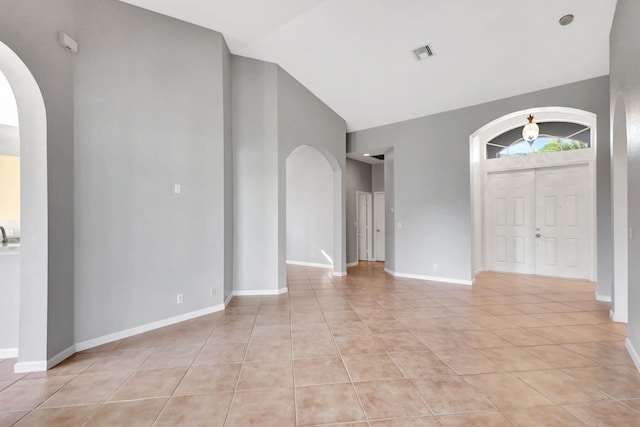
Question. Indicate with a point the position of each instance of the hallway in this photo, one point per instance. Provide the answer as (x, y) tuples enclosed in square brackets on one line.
[(363, 350)]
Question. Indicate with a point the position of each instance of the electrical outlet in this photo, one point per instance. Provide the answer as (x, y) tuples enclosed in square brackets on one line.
[(435, 267), (179, 299), (177, 188), (212, 292)]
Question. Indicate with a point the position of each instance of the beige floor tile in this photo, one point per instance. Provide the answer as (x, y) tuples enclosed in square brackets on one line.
[(185, 340), (608, 413), (271, 333), (320, 371), (468, 361), (633, 404), (28, 394), (401, 341), (152, 383), (120, 361), (390, 399), (135, 413), (66, 416), (519, 337), (229, 335), (613, 383), (87, 389), (208, 410), (451, 394), (408, 422), (171, 357), (267, 351), (329, 403), (221, 354), (557, 356), (358, 344), (208, 379), (506, 391), (417, 364), (365, 367), (487, 419), (514, 359), (481, 339), (266, 375), (314, 347), (267, 408), (561, 388), (9, 418), (545, 416)]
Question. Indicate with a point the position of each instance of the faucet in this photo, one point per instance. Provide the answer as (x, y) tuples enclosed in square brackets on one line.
[(5, 239)]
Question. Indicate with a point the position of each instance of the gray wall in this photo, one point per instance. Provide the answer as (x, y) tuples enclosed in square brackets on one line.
[(149, 94), (309, 207), (358, 178), (377, 177), (432, 207), (625, 80), (228, 172), (29, 28), (255, 174), (390, 215)]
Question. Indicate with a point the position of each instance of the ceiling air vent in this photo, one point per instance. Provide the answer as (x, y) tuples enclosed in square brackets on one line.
[(423, 52)]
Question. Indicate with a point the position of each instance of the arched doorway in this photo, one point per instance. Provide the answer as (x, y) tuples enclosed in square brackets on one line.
[(32, 348), (314, 210), (619, 212), (518, 168)]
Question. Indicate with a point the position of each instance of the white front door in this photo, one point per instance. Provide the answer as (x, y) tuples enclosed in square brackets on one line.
[(563, 222), (378, 225), (539, 221), (364, 214), (510, 217)]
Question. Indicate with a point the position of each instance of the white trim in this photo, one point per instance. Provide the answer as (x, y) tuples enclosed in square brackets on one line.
[(260, 292), (310, 264), (339, 273), (388, 270), (64, 354), (632, 352), (8, 353), (26, 367), (228, 300), (430, 278), (603, 298), (94, 342), (352, 264)]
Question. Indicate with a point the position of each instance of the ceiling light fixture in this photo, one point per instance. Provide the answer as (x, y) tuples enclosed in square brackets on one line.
[(423, 52), (366, 154), (530, 131), (566, 20)]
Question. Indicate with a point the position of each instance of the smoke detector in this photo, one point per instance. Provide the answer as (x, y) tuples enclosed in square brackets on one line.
[(423, 52)]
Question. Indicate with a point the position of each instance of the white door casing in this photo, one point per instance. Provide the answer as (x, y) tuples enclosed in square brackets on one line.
[(378, 225)]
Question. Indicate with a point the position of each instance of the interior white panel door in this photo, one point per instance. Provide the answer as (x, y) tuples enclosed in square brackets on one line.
[(563, 222), (378, 225), (510, 221), (365, 249)]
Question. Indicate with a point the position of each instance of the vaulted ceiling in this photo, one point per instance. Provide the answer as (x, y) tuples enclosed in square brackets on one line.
[(356, 55)]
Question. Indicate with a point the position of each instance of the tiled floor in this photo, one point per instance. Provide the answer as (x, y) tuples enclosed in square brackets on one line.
[(365, 350)]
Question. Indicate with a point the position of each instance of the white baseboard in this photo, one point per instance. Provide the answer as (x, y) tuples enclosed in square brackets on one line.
[(8, 353), (260, 292), (84, 345), (352, 264), (64, 354), (25, 367), (430, 278), (339, 273), (228, 300), (310, 264), (603, 298), (633, 353)]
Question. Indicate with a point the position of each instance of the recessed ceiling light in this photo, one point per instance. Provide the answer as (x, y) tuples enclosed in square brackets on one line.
[(366, 154), (423, 52), (566, 20)]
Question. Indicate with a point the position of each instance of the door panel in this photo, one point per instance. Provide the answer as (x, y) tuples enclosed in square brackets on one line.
[(364, 227), (378, 223), (510, 215), (564, 222)]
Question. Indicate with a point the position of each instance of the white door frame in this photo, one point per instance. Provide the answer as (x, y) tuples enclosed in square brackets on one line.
[(369, 196), (480, 167), (375, 238)]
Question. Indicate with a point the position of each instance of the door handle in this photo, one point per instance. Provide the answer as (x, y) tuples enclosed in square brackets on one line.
[(378, 230), (538, 235)]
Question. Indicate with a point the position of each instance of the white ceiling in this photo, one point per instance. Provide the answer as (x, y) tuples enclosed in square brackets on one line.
[(356, 55)]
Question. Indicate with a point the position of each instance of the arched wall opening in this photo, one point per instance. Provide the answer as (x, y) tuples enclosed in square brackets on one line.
[(480, 168), (314, 210), (32, 335), (619, 212)]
